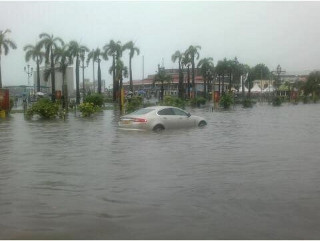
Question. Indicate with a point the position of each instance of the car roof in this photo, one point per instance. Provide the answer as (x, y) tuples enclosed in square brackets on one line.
[(158, 107)]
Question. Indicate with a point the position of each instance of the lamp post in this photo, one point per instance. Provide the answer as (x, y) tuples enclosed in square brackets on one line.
[(278, 71), (29, 72)]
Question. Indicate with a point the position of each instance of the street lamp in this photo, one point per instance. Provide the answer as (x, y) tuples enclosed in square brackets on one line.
[(29, 72)]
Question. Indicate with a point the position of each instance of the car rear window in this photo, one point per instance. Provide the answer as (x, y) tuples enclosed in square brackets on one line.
[(141, 111)]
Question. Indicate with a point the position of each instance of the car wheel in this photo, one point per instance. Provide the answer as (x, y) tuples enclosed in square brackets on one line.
[(158, 128), (202, 124)]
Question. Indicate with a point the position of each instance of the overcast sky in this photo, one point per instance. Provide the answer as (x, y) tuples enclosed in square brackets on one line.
[(285, 33)]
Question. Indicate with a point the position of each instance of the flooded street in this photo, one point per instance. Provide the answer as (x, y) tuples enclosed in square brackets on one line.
[(249, 174)]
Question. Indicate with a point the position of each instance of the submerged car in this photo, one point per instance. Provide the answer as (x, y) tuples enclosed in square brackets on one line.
[(158, 118)]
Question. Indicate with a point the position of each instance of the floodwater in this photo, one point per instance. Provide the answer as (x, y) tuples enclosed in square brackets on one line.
[(250, 174)]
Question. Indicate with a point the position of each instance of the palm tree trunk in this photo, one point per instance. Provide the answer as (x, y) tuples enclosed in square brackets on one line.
[(223, 83), (83, 86), (130, 73), (77, 82), (120, 92), (188, 82), (193, 82), (230, 82), (99, 77), (219, 84), (114, 79), (204, 87), (93, 76), (53, 82), (38, 75), (180, 85)]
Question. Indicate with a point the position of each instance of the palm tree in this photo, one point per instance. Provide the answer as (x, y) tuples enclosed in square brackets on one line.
[(35, 53), (5, 44), (114, 49), (76, 49), (179, 56), (132, 50), (193, 53), (163, 78), (206, 66), (95, 56), (122, 71), (50, 43), (186, 62), (63, 57)]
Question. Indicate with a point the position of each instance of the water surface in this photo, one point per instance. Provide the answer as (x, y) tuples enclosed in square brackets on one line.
[(250, 174)]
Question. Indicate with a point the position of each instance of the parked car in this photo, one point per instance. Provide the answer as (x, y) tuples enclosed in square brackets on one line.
[(158, 118)]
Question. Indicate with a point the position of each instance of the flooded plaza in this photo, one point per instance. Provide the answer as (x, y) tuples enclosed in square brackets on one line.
[(249, 174)]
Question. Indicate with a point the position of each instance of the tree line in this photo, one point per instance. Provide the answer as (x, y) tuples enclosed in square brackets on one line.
[(58, 55)]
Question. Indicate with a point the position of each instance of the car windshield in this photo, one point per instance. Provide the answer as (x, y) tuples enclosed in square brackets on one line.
[(142, 111)]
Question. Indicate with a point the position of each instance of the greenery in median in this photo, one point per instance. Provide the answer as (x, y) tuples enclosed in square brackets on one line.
[(226, 100), (44, 108), (95, 99)]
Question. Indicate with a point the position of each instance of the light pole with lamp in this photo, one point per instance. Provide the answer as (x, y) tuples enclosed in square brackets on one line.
[(29, 72)]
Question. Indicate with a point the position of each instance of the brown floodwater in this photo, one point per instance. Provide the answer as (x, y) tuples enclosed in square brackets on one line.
[(249, 174)]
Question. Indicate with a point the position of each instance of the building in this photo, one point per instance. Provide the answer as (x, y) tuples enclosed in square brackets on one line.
[(46, 86)]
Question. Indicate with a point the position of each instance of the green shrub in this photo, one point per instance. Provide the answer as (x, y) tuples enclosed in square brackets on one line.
[(87, 109), (276, 101), (44, 108), (173, 101), (134, 103), (226, 100), (95, 99), (198, 101), (247, 103)]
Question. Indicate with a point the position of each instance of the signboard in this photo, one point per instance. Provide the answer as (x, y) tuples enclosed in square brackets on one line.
[(4, 99)]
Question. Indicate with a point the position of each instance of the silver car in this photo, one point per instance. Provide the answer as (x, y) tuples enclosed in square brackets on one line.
[(158, 118)]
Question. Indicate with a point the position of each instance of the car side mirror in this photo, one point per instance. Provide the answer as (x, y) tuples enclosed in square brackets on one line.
[(188, 114)]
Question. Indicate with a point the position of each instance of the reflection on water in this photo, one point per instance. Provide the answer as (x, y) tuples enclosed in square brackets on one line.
[(250, 174)]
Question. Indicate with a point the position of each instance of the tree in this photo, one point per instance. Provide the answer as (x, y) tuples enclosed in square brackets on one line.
[(222, 69), (312, 86), (50, 43), (122, 71), (63, 57), (5, 45), (76, 49), (114, 49), (178, 56), (132, 50), (186, 62), (260, 72), (193, 53), (35, 53), (206, 69), (95, 56), (162, 77)]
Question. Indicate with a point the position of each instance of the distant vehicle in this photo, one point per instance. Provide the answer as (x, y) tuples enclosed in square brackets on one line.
[(158, 118)]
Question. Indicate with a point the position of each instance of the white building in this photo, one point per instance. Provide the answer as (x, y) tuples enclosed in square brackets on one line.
[(45, 86)]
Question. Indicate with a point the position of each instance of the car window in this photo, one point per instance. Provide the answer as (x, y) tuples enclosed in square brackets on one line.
[(179, 112), (166, 111), (142, 111)]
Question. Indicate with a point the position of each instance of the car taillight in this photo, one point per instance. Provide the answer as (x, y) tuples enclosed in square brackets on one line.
[(139, 120)]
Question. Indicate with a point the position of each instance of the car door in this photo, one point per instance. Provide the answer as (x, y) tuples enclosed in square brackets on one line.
[(182, 119), (167, 117)]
